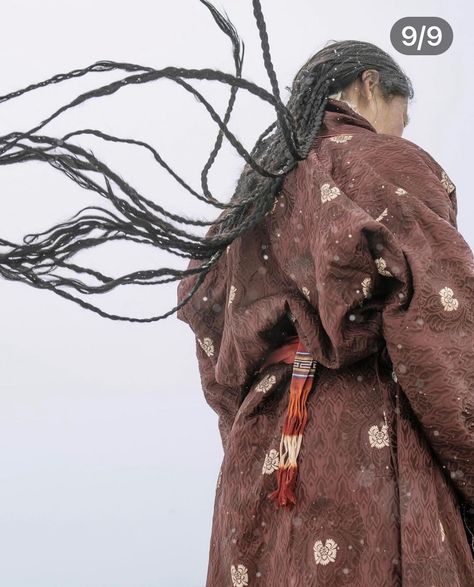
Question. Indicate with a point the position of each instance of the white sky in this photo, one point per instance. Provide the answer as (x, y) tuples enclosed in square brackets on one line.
[(96, 487)]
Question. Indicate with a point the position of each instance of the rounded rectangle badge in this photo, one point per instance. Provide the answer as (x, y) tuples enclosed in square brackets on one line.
[(421, 35)]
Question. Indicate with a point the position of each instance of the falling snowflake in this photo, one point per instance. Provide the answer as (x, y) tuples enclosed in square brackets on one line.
[(306, 292), (400, 192)]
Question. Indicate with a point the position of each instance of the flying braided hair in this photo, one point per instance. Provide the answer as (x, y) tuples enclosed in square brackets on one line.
[(38, 261)]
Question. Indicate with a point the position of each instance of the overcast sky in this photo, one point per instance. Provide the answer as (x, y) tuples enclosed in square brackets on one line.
[(109, 455)]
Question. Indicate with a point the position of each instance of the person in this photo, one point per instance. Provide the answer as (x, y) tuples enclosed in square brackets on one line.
[(331, 303), (335, 342)]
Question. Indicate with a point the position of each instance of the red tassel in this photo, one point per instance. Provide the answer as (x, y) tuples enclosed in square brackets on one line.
[(285, 492), (301, 382)]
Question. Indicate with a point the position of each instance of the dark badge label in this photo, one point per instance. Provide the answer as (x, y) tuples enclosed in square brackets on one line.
[(421, 35)]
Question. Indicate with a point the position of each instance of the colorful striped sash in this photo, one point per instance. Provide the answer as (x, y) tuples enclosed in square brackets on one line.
[(304, 367)]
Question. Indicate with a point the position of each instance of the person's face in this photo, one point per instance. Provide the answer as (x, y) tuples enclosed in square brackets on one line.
[(386, 116)]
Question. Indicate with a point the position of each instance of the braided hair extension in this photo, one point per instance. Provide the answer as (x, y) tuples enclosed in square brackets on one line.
[(137, 218)]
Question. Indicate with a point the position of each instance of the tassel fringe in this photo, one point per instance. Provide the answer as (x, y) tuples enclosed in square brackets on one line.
[(290, 443)]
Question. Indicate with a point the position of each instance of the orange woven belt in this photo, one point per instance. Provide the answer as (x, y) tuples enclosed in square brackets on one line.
[(304, 367)]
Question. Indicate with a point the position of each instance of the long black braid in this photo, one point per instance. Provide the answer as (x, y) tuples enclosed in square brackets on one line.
[(137, 218)]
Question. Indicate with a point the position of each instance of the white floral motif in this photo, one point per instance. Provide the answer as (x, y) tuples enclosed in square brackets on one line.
[(207, 346), (441, 529), (328, 192), (381, 264), (271, 462), (306, 292), (447, 183), (232, 291), (239, 575), (219, 479), (449, 302), (394, 376), (400, 192), (266, 383), (341, 138), (378, 438), (325, 554), (366, 283), (382, 215)]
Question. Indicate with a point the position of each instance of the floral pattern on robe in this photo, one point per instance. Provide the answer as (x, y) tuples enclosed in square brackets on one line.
[(361, 256)]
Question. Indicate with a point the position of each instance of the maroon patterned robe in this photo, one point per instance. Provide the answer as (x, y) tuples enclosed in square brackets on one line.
[(362, 258)]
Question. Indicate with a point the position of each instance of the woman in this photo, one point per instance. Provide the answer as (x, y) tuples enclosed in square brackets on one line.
[(335, 341)]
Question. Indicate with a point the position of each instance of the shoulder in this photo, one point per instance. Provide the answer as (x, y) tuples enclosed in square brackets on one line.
[(372, 168), (390, 150), (399, 157), (387, 150)]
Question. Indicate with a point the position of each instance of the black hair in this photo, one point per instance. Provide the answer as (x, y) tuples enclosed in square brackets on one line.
[(136, 218)]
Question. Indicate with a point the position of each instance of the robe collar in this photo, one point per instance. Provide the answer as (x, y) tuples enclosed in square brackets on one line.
[(340, 118)]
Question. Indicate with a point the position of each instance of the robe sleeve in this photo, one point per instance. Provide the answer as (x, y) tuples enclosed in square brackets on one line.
[(206, 316), (223, 400), (392, 269)]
